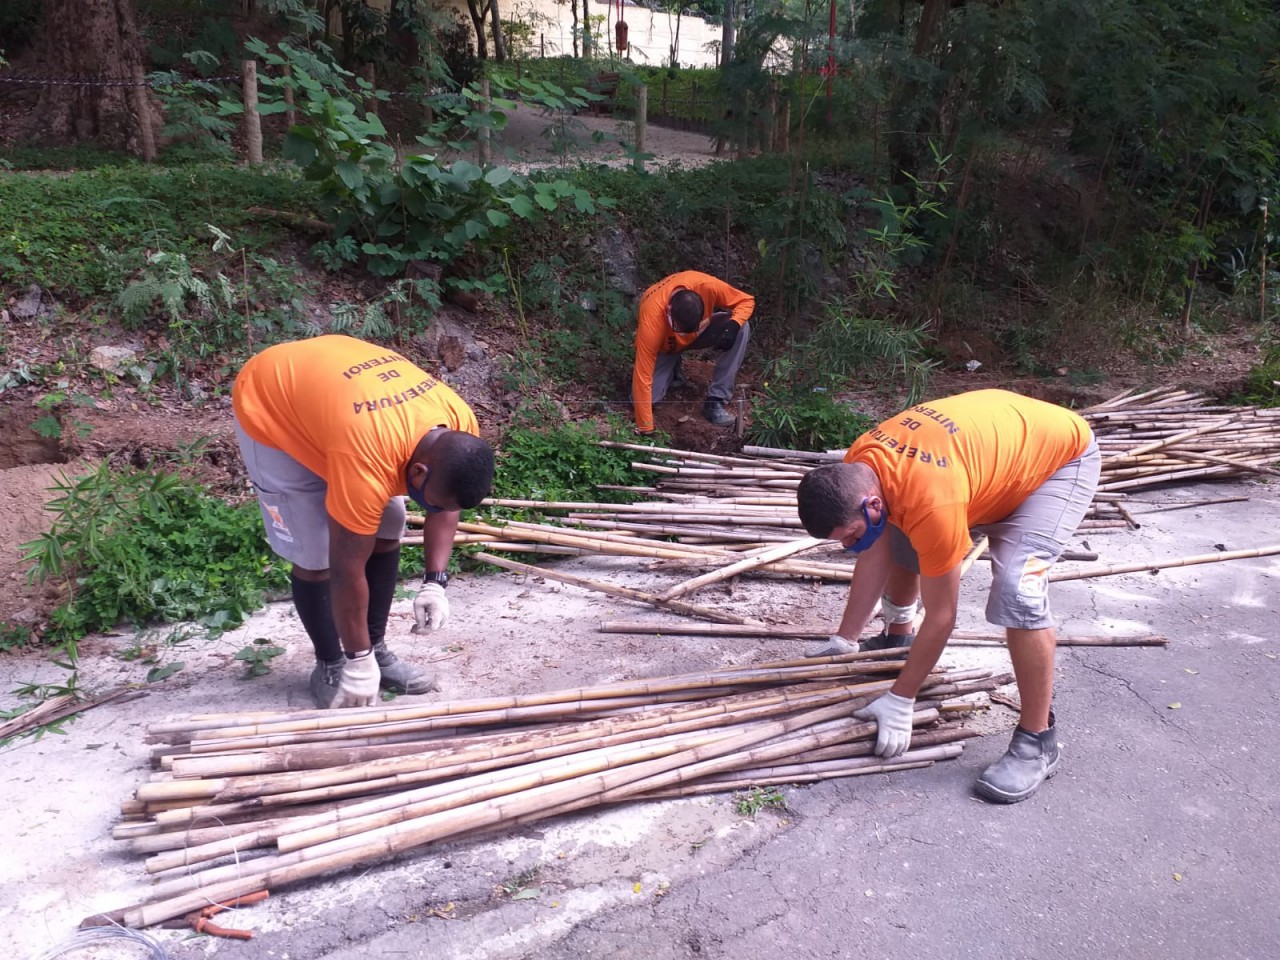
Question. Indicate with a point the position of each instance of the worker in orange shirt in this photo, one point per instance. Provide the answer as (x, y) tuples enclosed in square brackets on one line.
[(689, 311), (335, 433), (1021, 471)]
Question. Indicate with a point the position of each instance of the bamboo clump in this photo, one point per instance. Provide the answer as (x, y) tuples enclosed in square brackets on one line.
[(243, 802)]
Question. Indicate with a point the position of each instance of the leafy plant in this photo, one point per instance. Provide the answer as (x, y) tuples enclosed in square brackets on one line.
[(257, 657), (751, 802), (145, 546), (544, 458), (411, 208)]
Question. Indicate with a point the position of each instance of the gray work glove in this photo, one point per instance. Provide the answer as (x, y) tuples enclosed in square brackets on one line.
[(892, 715), (430, 608), (359, 686), (835, 646)]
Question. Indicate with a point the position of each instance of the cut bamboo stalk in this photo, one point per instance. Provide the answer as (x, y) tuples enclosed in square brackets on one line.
[(678, 606), (1112, 569), (1178, 437), (742, 566)]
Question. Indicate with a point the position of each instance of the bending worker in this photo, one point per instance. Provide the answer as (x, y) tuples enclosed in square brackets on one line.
[(334, 433), (689, 311), (1021, 471)]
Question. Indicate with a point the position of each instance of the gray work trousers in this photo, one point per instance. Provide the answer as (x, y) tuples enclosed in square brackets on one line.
[(727, 364)]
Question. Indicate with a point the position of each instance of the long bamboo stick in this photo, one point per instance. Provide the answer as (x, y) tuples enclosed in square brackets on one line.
[(742, 566), (640, 596), (1112, 569)]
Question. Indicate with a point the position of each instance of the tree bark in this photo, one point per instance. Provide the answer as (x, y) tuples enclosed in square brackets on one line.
[(97, 40), (478, 11), (728, 36), (499, 44)]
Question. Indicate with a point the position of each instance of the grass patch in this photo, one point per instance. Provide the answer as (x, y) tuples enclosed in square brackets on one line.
[(53, 229)]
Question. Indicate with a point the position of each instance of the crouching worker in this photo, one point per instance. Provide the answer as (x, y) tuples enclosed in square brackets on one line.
[(334, 433), (689, 311), (1021, 471)]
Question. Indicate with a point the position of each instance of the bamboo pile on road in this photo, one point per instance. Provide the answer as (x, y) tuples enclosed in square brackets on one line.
[(244, 802), (735, 515), (1168, 435)]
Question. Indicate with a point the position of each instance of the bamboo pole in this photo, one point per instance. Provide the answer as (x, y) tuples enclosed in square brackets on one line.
[(742, 566), (1112, 569), (677, 606)]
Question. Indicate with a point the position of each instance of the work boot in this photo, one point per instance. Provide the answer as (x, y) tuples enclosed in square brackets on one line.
[(400, 677), (325, 679), (1031, 759), (717, 413), (886, 641)]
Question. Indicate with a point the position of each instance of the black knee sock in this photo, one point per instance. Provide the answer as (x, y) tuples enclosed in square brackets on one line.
[(311, 599), (382, 570)]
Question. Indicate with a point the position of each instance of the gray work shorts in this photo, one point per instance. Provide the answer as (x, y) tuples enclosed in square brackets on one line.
[(1025, 544), (293, 510)]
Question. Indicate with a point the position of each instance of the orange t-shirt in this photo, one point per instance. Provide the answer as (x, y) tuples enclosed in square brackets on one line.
[(654, 334), (351, 412), (951, 464)]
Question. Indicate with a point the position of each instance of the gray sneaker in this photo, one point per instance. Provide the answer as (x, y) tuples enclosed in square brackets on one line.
[(717, 413), (886, 641), (1032, 758), (325, 679), (400, 677)]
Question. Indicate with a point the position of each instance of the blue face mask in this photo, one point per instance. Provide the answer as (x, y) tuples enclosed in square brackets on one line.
[(419, 494), (873, 531)]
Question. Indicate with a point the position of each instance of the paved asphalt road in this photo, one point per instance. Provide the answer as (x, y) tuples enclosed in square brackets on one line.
[(1157, 839)]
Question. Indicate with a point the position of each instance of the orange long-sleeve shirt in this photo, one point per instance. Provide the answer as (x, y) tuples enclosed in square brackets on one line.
[(351, 412), (951, 464), (654, 334)]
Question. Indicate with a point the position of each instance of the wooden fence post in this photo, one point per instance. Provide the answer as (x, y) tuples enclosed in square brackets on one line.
[(252, 119), (482, 135), (290, 113), (142, 107), (642, 122)]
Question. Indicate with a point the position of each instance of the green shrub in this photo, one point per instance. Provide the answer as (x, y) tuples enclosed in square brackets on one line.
[(147, 546), (544, 458)]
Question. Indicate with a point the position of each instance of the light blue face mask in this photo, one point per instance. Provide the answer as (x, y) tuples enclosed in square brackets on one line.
[(873, 531)]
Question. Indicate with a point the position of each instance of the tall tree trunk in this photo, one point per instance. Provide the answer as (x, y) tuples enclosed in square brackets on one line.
[(587, 43), (728, 36), (478, 11), (499, 45), (98, 39), (573, 4)]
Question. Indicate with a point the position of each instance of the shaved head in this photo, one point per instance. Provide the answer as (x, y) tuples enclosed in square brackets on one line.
[(829, 496)]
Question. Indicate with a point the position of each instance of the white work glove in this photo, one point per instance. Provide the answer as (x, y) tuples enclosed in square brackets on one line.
[(430, 608), (892, 715), (835, 646), (359, 686)]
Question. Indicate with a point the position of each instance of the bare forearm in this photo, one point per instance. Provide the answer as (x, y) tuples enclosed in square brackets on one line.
[(437, 539), (350, 599), (923, 655), (870, 574)]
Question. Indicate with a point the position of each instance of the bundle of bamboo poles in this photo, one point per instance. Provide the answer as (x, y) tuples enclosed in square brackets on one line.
[(735, 515), (1169, 435), (245, 802)]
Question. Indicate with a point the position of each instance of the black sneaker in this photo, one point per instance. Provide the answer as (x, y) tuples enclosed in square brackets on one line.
[(325, 680), (886, 641), (1032, 758), (717, 413)]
